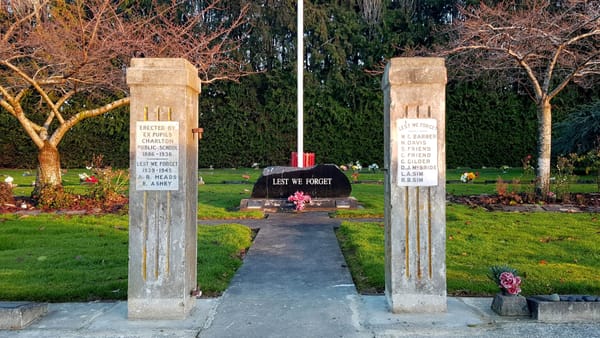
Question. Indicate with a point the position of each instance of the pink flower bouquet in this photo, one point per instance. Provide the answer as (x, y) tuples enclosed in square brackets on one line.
[(299, 199), (510, 283), (506, 278)]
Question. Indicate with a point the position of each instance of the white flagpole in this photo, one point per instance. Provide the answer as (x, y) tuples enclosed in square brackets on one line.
[(300, 71)]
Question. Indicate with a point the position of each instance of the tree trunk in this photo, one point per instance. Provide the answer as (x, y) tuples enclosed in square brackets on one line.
[(545, 140), (48, 174)]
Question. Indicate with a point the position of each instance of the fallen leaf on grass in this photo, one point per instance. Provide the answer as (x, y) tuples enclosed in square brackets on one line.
[(543, 262)]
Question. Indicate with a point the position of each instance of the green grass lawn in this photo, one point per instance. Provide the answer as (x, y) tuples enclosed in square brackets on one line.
[(221, 201), (81, 258), (78, 258), (370, 195), (554, 252)]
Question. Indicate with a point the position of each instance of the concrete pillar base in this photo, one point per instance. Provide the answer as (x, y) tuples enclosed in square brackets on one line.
[(169, 309), (416, 303)]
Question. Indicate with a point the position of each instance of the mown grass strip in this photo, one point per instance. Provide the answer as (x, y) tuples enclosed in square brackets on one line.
[(222, 201), (58, 258), (554, 252)]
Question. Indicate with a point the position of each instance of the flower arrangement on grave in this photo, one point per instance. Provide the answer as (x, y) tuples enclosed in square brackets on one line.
[(9, 180), (468, 176), (373, 167), (507, 279), (85, 178), (528, 169), (300, 199)]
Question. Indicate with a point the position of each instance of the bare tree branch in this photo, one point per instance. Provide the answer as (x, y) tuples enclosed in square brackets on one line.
[(553, 44), (59, 52)]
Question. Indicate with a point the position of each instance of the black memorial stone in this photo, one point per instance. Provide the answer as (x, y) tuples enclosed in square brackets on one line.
[(320, 181)]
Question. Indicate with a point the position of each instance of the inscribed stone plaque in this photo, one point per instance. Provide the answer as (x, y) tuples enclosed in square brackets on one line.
[(417, 152), (157, 155), (320, 181)]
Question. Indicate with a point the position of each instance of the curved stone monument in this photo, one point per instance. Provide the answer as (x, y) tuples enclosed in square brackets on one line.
[(319, 181), (327, 185)]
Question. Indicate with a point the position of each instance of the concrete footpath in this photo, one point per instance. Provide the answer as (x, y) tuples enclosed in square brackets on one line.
[(294, 283)]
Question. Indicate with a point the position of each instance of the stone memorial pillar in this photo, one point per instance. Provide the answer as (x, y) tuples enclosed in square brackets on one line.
[(163, 190), (415, 190)]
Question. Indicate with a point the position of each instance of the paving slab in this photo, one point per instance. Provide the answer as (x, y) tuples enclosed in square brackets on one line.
[(109, 319), (294, 279)]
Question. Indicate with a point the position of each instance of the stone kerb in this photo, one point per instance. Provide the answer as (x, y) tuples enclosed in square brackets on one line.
[(414, 157), (565, 308), (163, 189), (18, 315)]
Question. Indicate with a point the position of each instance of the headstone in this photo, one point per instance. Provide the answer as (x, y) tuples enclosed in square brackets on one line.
[(320, 181), (163, 188), (415, 192)]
